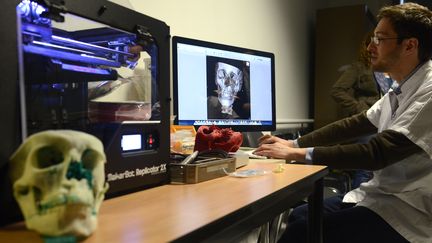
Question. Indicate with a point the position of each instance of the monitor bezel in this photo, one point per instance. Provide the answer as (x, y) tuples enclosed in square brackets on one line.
[(241, 128)]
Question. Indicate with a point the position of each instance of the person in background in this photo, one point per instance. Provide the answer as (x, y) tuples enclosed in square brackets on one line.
[(355, 91), (396, 204)]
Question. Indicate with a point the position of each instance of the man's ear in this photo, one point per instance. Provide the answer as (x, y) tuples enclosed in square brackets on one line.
[(411, 45)]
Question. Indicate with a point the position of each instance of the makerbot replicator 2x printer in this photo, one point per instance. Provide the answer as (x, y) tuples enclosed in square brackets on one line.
[(91, 66)]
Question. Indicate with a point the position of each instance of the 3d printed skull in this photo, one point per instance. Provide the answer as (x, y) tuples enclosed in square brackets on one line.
[(229, 80), (59, 182)]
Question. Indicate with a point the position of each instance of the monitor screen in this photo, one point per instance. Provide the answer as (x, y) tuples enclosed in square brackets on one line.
[(223, 85)]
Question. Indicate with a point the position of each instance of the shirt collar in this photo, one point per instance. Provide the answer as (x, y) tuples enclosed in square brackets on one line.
[(397, 87)]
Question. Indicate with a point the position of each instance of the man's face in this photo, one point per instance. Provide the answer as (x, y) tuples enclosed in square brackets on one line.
[(386, 55)]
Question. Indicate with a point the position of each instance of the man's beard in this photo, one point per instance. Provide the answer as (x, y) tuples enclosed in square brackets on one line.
[(386, 64)]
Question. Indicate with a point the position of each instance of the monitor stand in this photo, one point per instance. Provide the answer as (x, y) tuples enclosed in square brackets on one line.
[(250, 139)]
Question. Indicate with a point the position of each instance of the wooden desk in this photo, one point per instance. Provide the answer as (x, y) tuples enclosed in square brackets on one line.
[(221, 210)]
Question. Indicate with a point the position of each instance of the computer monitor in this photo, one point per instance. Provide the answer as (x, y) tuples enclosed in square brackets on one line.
[(223, 85)]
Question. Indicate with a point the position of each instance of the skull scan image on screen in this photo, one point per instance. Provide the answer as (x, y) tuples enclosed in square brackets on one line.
[(229, 80), (227, 88)]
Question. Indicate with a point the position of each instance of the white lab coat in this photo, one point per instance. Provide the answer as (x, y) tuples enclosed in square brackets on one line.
[(402, 193)]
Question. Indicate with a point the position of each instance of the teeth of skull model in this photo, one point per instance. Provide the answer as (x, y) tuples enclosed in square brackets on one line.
[(59, 182)]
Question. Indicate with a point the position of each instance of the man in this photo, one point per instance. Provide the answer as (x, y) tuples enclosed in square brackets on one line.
[(396, 205)]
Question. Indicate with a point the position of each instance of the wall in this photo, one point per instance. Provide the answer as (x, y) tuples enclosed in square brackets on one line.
[(373, 5)]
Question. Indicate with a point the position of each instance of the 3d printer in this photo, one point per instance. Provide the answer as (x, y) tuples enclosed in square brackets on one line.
[(91, 66)]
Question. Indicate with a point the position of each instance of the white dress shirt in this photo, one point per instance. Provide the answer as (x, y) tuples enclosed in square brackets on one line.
[(402, 192)]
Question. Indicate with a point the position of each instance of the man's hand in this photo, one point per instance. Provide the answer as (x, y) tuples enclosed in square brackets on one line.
[(275, 147), (269, 139)]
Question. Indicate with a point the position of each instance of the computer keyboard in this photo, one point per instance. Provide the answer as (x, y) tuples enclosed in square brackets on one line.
[(250, 153), (255, 156)]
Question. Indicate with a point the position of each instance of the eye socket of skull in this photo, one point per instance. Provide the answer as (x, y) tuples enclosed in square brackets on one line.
[(48, 156), (221, 73), (89, 159)]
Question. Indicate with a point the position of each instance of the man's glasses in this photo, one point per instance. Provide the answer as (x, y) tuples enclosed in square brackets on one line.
[(376, 40)]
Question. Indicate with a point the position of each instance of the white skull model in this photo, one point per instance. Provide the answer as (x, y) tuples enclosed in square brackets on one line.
[(229, 80), (59, 182)]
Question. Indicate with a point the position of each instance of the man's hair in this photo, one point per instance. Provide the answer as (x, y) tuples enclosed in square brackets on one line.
[(411, 20)]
